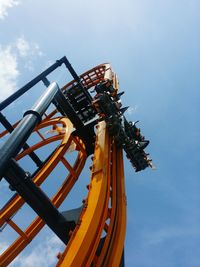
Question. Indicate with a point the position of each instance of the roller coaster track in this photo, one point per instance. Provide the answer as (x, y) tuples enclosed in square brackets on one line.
[(97, 237)]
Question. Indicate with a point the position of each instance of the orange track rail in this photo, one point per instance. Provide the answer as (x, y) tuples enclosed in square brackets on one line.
[(99, 218)]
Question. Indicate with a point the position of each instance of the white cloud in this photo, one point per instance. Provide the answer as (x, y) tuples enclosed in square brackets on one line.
[(132, 110), (26, 49), (43, 255), (3, 184), (23, 47), (4, 5), (9, 71), (3, 245), (49, 63), (161, 235), (29, 51), (10, 58)]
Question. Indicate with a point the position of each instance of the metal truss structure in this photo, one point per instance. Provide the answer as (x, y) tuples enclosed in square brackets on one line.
[(88, 118)]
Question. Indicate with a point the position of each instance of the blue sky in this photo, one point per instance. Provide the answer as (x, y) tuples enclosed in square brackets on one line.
[(154, 48)]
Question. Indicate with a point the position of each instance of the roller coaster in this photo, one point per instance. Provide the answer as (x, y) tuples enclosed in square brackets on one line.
[(88, 118)]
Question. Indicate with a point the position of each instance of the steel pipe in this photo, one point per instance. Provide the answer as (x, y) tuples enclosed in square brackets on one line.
[(32, 117)]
